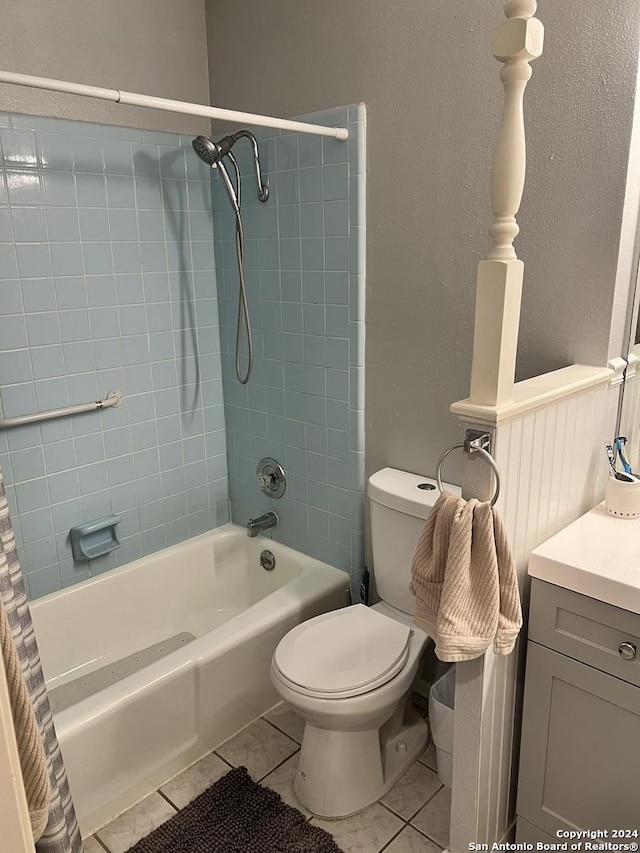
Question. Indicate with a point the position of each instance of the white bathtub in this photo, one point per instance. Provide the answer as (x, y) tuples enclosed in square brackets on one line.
[(125, 740)]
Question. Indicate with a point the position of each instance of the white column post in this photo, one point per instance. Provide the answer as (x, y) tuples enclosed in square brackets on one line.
[(481, 797), (516, 42)]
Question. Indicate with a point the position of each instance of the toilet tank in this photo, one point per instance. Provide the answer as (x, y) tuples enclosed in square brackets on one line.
[(399, 504)]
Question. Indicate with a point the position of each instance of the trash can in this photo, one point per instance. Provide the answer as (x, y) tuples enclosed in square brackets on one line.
[(441, 711)]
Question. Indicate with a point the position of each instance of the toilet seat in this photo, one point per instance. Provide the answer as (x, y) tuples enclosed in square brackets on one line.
[(343, 653)]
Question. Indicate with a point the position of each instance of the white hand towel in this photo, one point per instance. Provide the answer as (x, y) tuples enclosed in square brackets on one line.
[(464, 580)]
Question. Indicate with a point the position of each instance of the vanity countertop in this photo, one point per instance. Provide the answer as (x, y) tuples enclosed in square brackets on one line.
[(597, 555)]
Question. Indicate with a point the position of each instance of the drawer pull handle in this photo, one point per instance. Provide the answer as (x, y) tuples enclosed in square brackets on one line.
[(627, 651)]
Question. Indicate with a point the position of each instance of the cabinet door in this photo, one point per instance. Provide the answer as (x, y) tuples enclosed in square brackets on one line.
[(527, 833), (580, 757)]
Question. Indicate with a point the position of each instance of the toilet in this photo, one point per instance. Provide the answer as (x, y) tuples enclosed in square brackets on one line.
[(349, 673)]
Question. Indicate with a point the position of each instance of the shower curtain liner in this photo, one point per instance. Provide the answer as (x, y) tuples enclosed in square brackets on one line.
[(61, 834)]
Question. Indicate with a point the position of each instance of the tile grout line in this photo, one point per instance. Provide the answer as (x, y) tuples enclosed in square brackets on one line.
[(100, 842), (428, 837), (424, 764), (284, 761), (231, 737), (389, 809), (217, 754), (407, 821), (193, 764), (164, 797), (282, 731), (393, 838), (426, 802), (424, 832), (405, 824)]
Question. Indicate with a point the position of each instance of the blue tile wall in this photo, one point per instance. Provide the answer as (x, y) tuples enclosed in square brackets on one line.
[(304, 404), (107, 280)]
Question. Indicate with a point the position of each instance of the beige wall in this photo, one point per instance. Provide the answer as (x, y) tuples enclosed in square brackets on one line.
[(155, 47), (424, 69)]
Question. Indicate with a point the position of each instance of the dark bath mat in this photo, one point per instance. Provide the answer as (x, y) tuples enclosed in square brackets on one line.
[(236, 815)]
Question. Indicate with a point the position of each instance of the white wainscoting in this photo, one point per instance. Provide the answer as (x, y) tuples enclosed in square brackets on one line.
[(553, 469)]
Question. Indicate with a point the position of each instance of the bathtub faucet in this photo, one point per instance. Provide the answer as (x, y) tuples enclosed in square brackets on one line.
[(262, 522)]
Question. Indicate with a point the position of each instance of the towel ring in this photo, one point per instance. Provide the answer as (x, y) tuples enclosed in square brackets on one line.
[(474, 442)]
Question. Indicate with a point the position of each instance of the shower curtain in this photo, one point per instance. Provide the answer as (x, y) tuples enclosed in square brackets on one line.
[(61, 834)]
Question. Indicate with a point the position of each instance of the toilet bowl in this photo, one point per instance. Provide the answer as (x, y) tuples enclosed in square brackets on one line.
[(349, 673)]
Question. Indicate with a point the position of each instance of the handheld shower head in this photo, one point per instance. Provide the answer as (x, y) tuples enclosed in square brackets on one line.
[(212, 153), (206, 150)]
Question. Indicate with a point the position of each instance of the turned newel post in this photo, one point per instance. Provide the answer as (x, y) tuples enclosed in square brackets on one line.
[(516, 42)]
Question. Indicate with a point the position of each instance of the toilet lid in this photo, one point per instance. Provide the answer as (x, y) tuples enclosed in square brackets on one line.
[(346, 651)]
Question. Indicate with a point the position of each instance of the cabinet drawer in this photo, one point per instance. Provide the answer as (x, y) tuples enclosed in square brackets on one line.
[(585, 629)]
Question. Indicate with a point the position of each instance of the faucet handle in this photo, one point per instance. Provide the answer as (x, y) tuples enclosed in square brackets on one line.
[(271, 477), (265, 481)]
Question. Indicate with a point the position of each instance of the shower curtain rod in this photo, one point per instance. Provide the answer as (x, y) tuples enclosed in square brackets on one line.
[(150, 101)]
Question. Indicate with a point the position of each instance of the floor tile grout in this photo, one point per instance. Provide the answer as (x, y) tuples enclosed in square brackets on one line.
[(423, 831), (164, 797), (217, 754), (273, 770), (282, 731), (391, 840), (100, 842), (428, 837), (426, 802), (424, 835), (423, 760), (389, 809)]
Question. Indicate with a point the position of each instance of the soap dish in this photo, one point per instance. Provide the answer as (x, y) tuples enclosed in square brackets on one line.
[(95, 538)]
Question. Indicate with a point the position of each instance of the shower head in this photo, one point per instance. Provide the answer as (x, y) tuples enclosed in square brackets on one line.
[(205, 149), (212, 153)]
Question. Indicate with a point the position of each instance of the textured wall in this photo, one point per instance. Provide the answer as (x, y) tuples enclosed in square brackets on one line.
[(304, 274), (155, 47), (107, 281), (579, 117), (433, 100)]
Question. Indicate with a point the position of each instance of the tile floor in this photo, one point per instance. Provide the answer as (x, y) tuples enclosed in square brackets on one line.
[(412, 818)]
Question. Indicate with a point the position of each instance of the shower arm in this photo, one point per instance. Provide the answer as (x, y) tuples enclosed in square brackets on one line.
[(263, 189)]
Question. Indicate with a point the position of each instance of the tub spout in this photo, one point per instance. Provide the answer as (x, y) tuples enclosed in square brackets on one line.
[(262, 522)]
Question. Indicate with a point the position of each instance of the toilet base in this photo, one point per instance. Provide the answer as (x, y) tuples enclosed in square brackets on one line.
[(341, 773)]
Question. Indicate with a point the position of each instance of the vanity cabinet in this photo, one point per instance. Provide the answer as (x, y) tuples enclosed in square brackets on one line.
[(580, 752)]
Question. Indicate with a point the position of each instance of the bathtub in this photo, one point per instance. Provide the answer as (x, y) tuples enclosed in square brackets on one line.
[(152, 665)]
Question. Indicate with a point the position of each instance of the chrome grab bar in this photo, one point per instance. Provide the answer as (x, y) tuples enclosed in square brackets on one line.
[(113, 398)]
